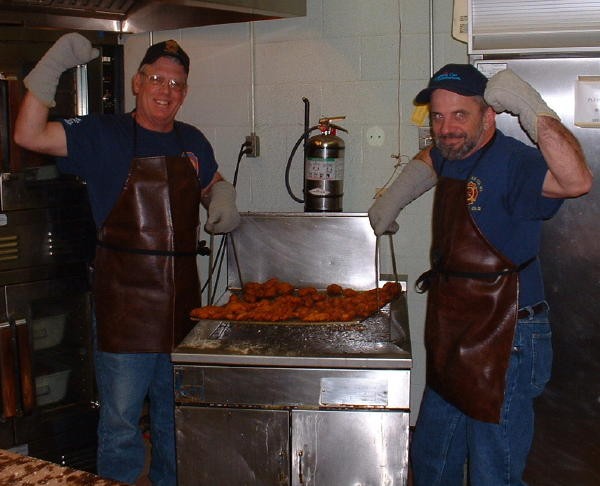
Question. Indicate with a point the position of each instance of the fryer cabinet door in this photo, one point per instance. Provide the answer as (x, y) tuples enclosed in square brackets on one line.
[(233, 446), (349, 447)]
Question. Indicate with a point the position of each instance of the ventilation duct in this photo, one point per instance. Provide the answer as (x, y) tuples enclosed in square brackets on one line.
[(134, 16), (533, 26)]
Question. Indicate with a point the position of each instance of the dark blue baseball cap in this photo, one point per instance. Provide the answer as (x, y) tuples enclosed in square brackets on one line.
[(463, 79), (168, 48)]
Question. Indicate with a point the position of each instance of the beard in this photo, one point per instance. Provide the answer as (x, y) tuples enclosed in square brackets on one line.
[(454, 152), (446, 143)]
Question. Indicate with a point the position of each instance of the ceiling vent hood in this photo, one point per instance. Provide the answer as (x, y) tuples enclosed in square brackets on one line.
[(134, 16)]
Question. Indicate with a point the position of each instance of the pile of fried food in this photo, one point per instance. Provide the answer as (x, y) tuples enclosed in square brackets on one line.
[(277, 301)]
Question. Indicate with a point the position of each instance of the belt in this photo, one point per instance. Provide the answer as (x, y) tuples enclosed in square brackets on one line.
[(532, 311)]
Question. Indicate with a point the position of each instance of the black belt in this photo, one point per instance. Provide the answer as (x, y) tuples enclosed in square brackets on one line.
[(532, 311)]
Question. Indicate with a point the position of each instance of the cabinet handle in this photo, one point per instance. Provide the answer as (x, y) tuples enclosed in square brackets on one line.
[(300, 454), (25, 363), (7, 372)]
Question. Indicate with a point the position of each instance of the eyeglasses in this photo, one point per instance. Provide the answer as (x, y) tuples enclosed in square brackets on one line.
[(158, 80)]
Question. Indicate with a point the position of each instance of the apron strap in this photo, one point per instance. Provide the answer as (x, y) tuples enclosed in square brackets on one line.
[(140, 251), (423, 283)]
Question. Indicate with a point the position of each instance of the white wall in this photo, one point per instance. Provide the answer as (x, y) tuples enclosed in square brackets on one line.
[(364, 59)]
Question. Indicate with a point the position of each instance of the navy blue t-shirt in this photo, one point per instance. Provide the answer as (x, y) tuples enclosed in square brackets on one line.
[(101, 147), (504, 195)]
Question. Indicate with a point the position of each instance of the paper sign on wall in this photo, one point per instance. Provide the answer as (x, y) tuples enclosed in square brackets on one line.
[(460, 21), (587, 102)]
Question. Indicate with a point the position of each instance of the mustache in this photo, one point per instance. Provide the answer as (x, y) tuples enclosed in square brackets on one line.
[(451, 136), (450, 150)]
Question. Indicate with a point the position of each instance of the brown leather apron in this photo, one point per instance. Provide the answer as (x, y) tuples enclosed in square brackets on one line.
[(145, 278), (471, 309)]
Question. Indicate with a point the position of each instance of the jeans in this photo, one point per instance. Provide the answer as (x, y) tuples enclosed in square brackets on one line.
[(496, 454), (124, 381)]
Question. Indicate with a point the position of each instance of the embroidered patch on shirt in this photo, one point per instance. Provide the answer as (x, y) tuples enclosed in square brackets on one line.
[(474, 189), (72, 121)]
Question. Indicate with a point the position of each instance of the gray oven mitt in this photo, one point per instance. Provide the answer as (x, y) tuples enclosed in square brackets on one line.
[(67, 52), (223, 215), (416, 178), (506, 91)]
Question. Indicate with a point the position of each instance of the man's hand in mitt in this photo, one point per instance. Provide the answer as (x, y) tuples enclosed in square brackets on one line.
[(68, 51), (416, 178), (506, 91), (223, 215)]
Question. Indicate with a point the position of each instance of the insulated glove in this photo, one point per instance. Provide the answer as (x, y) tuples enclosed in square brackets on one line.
[(506, 91), (223, 215), (416, 178), (68, 51)]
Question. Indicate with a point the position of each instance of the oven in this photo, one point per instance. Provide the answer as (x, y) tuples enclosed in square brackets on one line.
[(48, 407)]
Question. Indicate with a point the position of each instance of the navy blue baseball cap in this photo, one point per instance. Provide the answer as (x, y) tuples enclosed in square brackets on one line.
[(463, 79)]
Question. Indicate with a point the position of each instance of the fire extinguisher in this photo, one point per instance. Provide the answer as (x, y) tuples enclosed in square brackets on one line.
[(323, 167)]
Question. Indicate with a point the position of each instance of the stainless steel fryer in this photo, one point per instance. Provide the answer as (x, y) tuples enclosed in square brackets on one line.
[(290, 403), (304, 249)]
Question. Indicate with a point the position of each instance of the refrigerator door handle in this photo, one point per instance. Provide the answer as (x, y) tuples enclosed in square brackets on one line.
[(7, 371), (26, 366)]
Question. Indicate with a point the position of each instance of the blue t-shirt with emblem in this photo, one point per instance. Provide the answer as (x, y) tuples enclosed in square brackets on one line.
[(101, 147), (504, 195)]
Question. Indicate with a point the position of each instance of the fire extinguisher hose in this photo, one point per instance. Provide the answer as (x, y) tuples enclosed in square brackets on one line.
[(289, 164)]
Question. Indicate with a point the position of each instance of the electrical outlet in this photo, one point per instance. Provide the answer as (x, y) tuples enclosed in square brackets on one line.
[(375, 136), (253, 149), (425, 137)]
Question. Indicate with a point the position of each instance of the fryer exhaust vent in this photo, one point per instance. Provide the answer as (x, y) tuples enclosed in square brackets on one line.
[(110, 5), (88, 6), (134, 16)]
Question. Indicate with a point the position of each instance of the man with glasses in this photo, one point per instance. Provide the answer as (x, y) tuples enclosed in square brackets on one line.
[(146, 175)]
